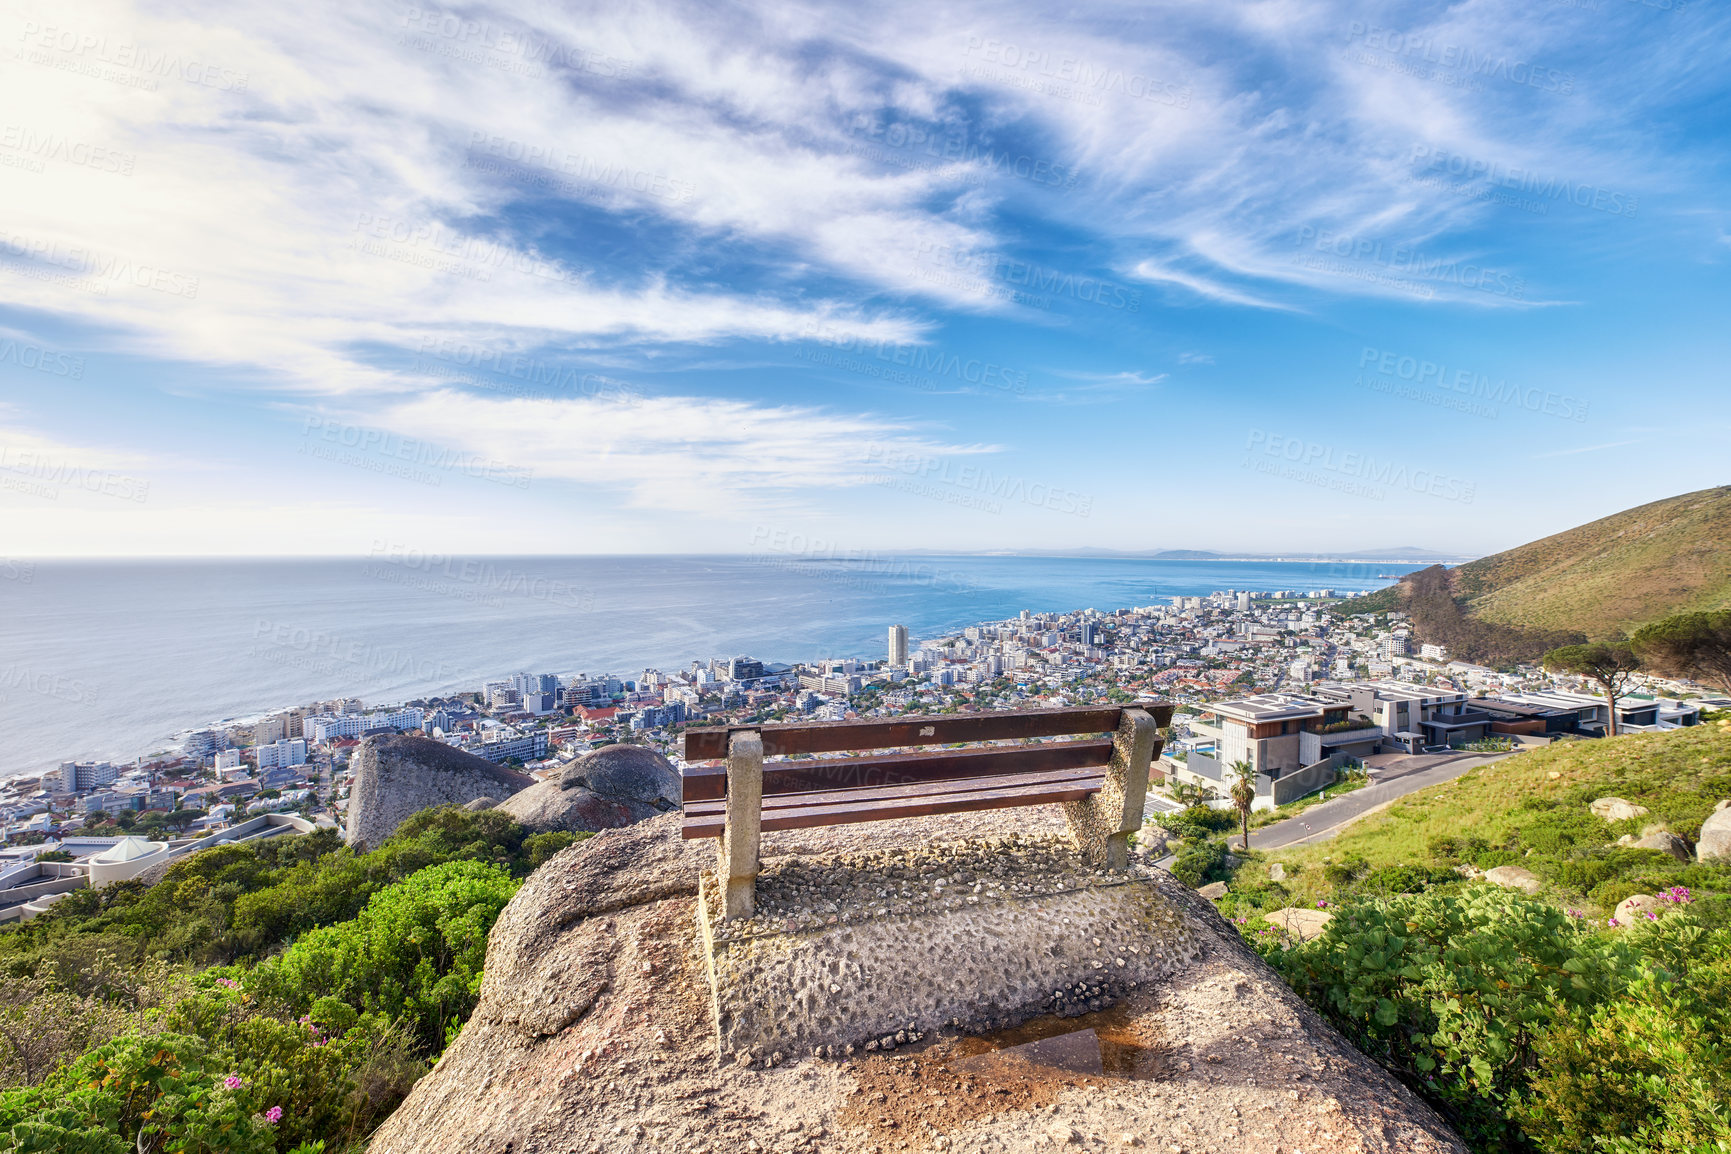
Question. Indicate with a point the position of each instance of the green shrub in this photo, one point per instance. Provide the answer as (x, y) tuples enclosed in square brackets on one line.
[(167, 1084), (414, 953), (1197, 822), (1449, 991), (1648, 1071), (1201, 862)]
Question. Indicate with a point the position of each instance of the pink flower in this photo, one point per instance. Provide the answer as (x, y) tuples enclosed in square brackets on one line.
[(273, 1115), (232, 1081), (1611, 921)]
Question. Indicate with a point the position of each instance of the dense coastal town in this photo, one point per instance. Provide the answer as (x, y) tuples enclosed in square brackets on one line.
[(1235, 663)]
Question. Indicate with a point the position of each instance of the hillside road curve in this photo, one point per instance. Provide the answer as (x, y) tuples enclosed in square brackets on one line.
[(1406, 775)]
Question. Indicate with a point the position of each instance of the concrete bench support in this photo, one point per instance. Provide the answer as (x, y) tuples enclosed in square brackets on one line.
[(739, 842), (1102, 823)]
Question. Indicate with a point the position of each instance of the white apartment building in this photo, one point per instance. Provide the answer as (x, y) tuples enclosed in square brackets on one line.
[(283, 752)]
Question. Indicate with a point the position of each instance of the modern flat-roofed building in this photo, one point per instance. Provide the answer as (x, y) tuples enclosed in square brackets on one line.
[(1413, 716)]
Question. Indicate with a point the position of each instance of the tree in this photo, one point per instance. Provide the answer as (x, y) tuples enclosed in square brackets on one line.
[(1612, 665), (126, 819), (1692, 645), (1244, 795)]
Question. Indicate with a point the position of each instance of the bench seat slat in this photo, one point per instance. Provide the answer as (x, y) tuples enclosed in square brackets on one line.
[(781, 739), (709, 783), (805, 811), (913, 789)]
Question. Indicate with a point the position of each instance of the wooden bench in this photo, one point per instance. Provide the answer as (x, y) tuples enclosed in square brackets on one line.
[(1101, 780)]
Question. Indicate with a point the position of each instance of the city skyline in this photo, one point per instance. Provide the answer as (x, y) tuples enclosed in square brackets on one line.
[(513, 280)]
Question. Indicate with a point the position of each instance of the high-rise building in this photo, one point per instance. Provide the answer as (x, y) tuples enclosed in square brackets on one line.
[(898, 645), (267, 729)]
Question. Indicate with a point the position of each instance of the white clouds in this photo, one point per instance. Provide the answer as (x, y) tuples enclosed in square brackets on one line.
[(692, 454)]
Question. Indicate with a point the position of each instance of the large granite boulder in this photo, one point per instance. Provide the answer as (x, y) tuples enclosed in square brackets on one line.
[(609, 788), (397, 776), (594, 1033), (1714, 844)]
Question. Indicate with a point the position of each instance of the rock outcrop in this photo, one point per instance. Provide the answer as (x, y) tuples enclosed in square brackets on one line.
[(1301, 923), (593, 1034), (609, 788), (1617, 809), (397, 776), (1666, 842), (1714, 844), (1514, 878)]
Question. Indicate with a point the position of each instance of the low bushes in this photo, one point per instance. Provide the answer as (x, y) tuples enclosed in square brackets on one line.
[(1528, 1027)]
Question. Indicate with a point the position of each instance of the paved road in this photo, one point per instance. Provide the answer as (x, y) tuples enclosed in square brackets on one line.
[(1321, 822)]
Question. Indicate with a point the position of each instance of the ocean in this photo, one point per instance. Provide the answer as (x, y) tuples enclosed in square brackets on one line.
[(115, 659)]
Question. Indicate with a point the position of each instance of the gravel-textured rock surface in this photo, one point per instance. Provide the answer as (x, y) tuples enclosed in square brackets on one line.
[(796, 893), (398, 775), (593, 1034), (611, 787)]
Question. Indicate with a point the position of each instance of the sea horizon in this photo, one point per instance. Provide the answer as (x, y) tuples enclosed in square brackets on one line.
[(112, 659)]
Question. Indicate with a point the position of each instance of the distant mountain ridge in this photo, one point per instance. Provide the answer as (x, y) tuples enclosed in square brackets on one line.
[(1597, 581)]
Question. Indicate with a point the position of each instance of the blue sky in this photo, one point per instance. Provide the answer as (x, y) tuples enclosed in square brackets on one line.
[(1270, 277)]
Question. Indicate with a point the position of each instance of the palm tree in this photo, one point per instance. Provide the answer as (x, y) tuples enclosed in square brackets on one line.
[(1244, 795)]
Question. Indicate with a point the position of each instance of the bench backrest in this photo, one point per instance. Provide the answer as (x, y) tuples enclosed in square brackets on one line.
[(709, 782)]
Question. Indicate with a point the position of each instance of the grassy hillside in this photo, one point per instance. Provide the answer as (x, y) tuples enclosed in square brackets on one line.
[(1610, 576), (1495, 815)]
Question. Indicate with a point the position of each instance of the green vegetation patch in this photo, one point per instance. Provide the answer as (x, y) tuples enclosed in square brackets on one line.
[(267, 996)]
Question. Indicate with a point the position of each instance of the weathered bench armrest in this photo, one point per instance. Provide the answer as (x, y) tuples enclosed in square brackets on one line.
[(1103, 822)]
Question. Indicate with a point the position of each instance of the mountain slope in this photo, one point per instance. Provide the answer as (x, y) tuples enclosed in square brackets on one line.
[(1612, 575)]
